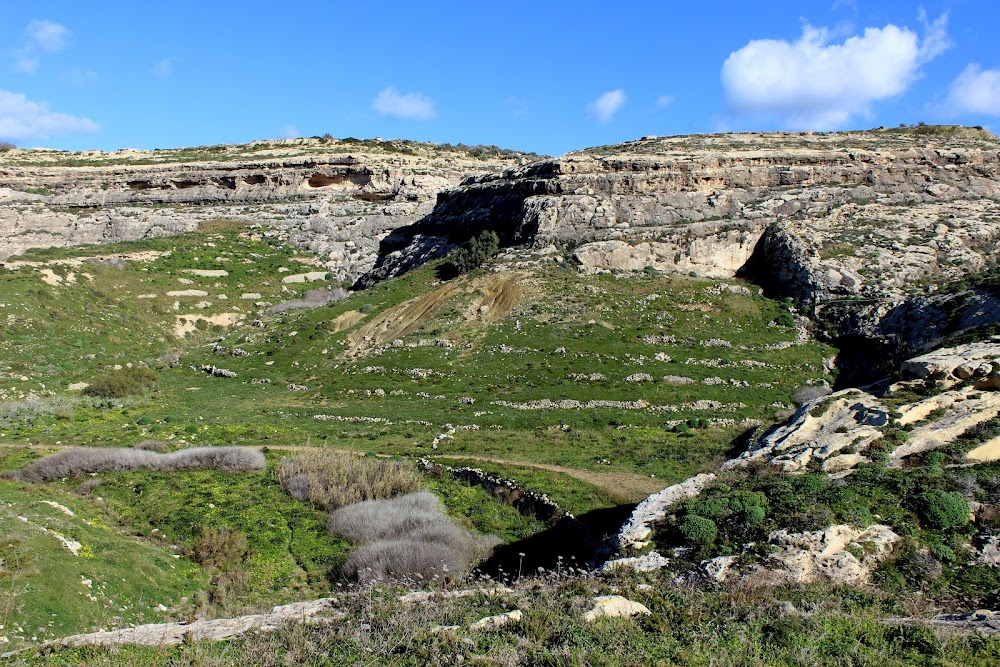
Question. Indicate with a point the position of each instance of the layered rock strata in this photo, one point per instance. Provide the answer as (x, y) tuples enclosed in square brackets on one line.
[(321, 195)]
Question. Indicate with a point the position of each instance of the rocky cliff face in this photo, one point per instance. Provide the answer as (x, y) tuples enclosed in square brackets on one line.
[(701, 204), (858, 228), (337, 199)]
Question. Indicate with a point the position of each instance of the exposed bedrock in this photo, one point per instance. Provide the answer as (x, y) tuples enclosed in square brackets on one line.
[(336, 204), (922, 206)]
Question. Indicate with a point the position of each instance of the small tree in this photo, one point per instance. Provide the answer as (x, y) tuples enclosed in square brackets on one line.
[(471, 255)]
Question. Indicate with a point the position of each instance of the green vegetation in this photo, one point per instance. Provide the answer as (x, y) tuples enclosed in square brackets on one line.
[(471, 255), (815, 625), (942, 509), (122, 383)]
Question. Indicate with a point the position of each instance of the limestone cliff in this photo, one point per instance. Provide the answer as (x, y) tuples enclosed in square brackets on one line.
[(859, 228), (701, 203), (336, 198)]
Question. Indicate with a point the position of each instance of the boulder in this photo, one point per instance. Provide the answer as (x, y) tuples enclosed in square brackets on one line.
[(614, 606)]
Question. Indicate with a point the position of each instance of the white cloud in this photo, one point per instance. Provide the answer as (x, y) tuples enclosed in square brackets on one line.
[(665, 100), (22, 119), (289, 132), (164, 68), (46, 37), (607, 105), (412, 106), (41, 38), (813, 84), (976, 91)]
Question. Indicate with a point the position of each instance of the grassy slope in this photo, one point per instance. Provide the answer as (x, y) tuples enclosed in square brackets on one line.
[(601, 322)]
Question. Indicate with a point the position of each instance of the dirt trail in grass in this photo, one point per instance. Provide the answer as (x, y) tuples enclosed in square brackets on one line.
[(628, 486)]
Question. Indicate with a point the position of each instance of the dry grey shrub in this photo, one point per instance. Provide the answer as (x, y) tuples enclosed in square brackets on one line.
[(88, 485), (406, 538), (330, 479), (27, 410), (314, 298), (110, 459), (807, 394), (151, 445)]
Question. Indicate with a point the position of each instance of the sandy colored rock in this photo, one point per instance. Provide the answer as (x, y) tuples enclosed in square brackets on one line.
[(650, 562), (634, 534), (614, 606), (188, 292), (497, 621), (311, 276)]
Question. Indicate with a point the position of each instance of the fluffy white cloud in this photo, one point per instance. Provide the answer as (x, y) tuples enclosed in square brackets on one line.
[(41, 38), (164, 68), (607, 105), (21, 119), (976, 91), (665, 100), (412, 106), (814, 84), (289, 132)]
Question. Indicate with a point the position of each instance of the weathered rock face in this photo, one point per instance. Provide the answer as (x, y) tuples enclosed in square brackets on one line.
[(701, 203), (321, 195), (839, 554), (835, 433)]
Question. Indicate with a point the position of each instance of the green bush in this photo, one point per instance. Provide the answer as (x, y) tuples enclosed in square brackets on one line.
[(698, 531), (471, 255), (122, 383), (942, 509), (784, 319)]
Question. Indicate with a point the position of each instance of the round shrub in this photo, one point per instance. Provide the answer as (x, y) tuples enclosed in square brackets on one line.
[(698, 531), (942, 509), (122, 383), (755, 515)]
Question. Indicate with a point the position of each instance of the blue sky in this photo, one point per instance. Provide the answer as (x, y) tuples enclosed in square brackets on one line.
[(547, 76)]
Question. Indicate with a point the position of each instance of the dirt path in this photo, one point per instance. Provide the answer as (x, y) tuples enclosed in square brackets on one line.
[(628, 485), (625, 485)]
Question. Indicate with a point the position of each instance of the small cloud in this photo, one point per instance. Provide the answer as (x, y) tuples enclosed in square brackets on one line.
[(21, 119), (41, 38), (46, 37), (79, 77), (607, 105), (665, 100), (289, 132), (846, 4), (164, 68), (815, 84), (412, 106), (976, 91), (936, 40)]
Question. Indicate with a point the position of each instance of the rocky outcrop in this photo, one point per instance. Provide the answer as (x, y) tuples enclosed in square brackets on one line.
[(839, 554), (635, 533), (831, 432), (333, 198), (835, 433), (700, 203)]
